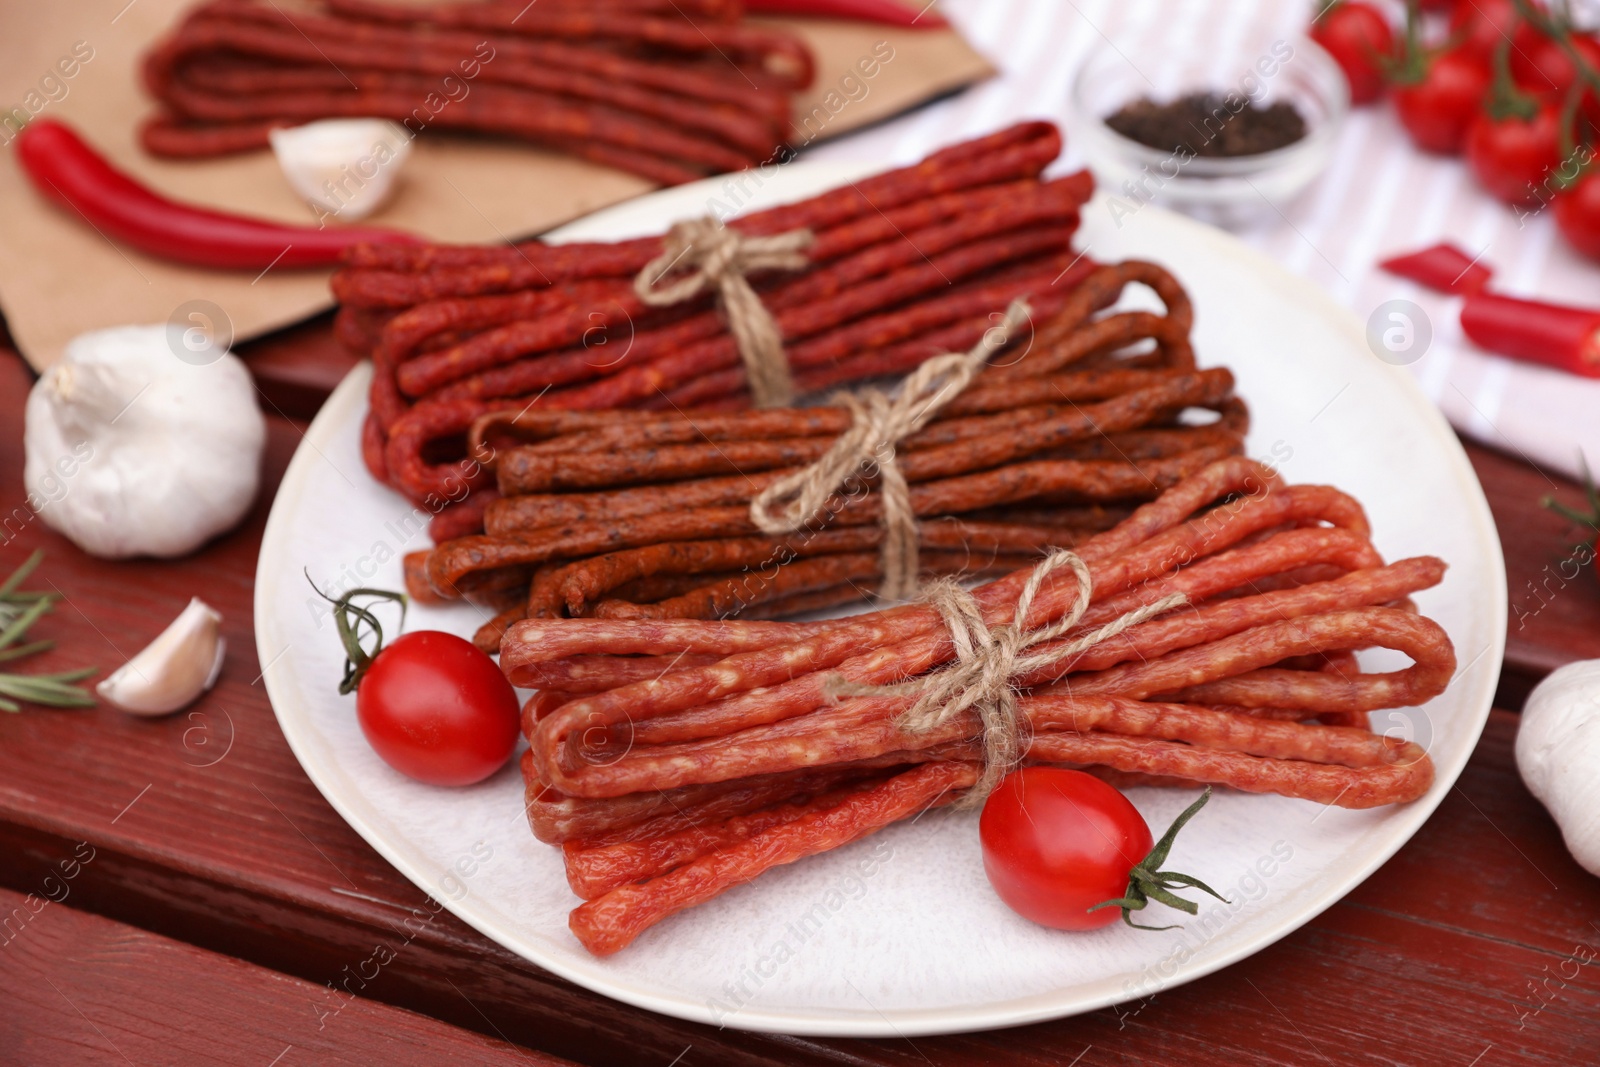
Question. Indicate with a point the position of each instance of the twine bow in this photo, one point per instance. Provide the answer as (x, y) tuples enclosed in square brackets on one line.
[(701, 254), (880, 421), (990, 659)]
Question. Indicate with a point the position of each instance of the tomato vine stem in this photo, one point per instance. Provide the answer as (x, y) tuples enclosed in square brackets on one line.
[(1147, 882), (357, 656)]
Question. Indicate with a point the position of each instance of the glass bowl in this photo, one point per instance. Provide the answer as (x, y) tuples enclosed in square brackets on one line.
[(1236, 191)]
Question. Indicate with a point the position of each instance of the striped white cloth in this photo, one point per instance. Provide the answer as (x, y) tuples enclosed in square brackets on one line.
[(1380, 196)]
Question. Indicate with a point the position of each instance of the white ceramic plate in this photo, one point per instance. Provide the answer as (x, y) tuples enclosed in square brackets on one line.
[(899, 934)]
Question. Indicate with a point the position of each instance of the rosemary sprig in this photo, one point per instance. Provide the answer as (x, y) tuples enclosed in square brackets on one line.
[(19, 610), (1591, 492)]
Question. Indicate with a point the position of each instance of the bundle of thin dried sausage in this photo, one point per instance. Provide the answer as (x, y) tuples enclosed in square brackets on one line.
[(669, 92), (628, 515), (673, 759), (902, 265)]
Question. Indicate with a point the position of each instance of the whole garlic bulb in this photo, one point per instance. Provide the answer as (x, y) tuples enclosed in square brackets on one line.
[(132, 451), (1558, 753)]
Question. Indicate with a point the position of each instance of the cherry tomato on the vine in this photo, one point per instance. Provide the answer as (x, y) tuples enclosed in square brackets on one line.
[(1358, 37), (1438, 110), (430, 704), (1511, 156), (1542, 67), (1479, 26), (437, 709), (1578, 214), (1058, 843)]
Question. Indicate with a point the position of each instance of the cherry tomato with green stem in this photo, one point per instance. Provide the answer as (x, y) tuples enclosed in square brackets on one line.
[(1066, 850), (430, 704), (1517, 140), (1543, 67), (1550, 59), (1437, 105), (1359, 38), (1577, 212), (1480, 26), (1511, 155)]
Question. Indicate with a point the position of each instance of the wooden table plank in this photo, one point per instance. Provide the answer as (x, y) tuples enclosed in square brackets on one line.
[(1554, 585), (1399, 949), (207, 830), (297, 367), (84, 989)]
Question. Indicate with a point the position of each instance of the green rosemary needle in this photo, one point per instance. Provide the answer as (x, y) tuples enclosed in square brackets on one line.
[(20, 609)]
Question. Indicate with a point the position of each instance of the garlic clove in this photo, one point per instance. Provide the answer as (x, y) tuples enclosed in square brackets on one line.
[(174, 669), (343, 167)]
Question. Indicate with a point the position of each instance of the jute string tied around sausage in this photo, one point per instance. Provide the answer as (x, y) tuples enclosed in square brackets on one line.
[(988, 658), (881, 422), (704, 254)]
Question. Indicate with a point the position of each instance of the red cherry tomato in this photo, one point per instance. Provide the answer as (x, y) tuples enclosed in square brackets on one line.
[(436, 709), (1542, 67), (1357, 35), (1481, 24), (1578, 215), (1438, 110), (1057, 842), (1510, 157)]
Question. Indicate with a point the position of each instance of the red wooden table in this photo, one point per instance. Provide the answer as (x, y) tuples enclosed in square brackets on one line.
[(227, 907)]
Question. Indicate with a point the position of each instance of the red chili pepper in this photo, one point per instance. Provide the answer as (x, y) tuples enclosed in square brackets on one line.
[(1555, 335), (889, 12), (1443, 267), (66, 169)]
